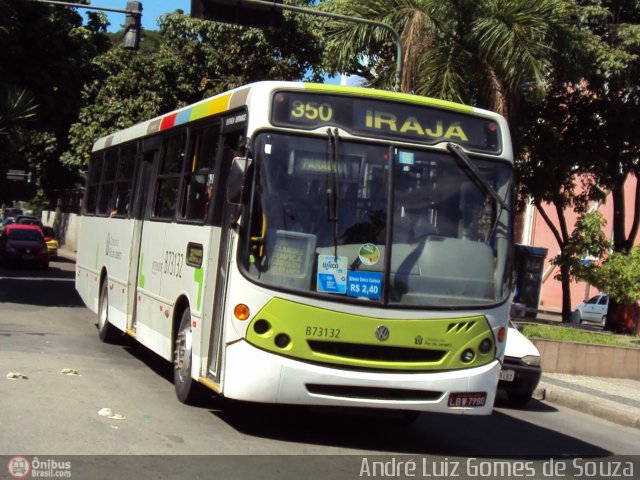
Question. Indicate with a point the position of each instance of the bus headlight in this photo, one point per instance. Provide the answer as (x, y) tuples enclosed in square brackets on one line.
[(282, 340), (467, 356), (261, 327), (531, 360), (485, 346)]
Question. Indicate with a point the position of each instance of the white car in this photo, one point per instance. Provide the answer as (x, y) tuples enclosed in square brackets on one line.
[(594, 309), (521, 369)]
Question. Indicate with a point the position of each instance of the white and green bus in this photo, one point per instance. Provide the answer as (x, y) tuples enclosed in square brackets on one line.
[(308, 244)]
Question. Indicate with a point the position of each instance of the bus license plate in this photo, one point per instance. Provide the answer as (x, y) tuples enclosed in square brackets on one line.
[(467, 399), (507, 375)]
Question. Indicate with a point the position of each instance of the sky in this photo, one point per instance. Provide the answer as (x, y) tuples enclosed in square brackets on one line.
[(151, 10)]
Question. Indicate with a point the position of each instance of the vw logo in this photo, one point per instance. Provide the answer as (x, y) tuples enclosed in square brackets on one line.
[(382, 333)]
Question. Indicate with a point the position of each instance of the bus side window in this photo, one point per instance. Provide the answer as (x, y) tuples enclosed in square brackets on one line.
[(168, 181), (107, 182), (199, 174), (124, 177), (93, 183)]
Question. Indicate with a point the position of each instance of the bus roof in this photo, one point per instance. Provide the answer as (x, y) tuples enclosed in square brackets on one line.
[(238, 97)]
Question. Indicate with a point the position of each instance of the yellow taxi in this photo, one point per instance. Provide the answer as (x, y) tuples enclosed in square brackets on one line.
[(51, 241)]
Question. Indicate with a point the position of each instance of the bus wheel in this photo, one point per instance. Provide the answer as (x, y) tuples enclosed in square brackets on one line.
[(185, 385), (107, 332)]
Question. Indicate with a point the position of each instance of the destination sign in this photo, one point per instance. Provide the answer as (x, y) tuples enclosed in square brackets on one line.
[(385, 119)]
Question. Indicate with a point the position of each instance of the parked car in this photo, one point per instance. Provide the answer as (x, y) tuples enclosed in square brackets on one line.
[(521, 369), (594, 309), (28, 220), (51, 241), (23, 244)]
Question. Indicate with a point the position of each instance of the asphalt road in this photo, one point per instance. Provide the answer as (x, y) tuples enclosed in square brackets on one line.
[(45, 328)]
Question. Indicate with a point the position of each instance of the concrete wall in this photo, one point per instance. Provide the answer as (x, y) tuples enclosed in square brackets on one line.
[(65, 225), (585, 359)]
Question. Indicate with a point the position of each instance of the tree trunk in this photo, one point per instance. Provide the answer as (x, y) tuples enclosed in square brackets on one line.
[(612, 312)]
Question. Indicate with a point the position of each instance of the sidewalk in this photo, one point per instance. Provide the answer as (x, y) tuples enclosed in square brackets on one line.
[(67, 253), (614, 399)]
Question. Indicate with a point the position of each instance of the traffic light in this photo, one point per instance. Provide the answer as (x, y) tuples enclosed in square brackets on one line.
[(132, 25), (261, 14)]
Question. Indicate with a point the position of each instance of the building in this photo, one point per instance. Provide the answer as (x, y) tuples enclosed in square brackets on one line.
[(535, 232)]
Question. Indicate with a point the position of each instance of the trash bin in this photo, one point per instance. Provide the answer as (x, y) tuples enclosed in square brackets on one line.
[(529, 262)]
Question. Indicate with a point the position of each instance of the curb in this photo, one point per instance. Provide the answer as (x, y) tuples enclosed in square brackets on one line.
[(68, 254), (585, 404)]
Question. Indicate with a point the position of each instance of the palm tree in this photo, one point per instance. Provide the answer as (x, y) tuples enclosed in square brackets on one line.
[(486, 52), (16, 108)]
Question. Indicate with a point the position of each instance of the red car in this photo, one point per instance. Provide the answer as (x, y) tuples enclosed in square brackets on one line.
[(23, 244)]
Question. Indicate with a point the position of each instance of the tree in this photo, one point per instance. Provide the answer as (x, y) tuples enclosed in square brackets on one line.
[(59, 50), (553, 169), (580, 144), (194, 59), (619, 276), (485, 53)]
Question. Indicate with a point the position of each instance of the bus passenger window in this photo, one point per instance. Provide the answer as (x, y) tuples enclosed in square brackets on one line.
[(168, 183), (166, 197), (124, 179), (199, 174), (93, 184), (107, 181)]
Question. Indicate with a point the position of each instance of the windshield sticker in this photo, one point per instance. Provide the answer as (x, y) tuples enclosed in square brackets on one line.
[(267, 148), (364, 284), (405, 158), (332, 274), (369, 254)]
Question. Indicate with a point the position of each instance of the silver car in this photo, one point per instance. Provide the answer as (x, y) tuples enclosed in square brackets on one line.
[(594, 309)]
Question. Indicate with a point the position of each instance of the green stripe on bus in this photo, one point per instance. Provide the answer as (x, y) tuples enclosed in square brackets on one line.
[(198, 276), (140, 275), (385, 95)]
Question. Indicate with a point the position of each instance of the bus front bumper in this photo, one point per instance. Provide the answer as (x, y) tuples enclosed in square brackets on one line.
[(254, 375)]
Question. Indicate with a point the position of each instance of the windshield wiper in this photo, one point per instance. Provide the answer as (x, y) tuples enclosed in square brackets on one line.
[(332, 187), (459, 154)]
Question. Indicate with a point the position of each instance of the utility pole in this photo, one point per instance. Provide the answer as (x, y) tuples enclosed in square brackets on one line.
[(132, 24)]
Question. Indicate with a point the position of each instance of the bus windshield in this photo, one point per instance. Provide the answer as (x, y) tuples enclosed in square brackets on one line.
[(378, 223)]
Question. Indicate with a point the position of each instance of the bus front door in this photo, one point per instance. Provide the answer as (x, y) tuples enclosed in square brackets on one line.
[(232, 142), (141, 198)]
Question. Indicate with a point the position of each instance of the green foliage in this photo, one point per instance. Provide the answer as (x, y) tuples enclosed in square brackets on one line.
[(45, 57), (580, 144), (619, 276), (585, 248), (478, 52), (567, 334), (193, 59), (17, 107)]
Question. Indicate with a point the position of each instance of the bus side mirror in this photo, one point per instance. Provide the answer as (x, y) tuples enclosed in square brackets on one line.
[(239, 166)]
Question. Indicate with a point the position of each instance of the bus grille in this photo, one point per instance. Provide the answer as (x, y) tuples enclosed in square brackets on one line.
[(376, 352), (376, 393)]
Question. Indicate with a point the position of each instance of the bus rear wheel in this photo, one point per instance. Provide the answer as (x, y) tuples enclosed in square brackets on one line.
[(185, 386), (106, 331)]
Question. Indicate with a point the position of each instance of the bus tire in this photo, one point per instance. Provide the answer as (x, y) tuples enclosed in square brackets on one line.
[(185, 386), (106, 331)]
